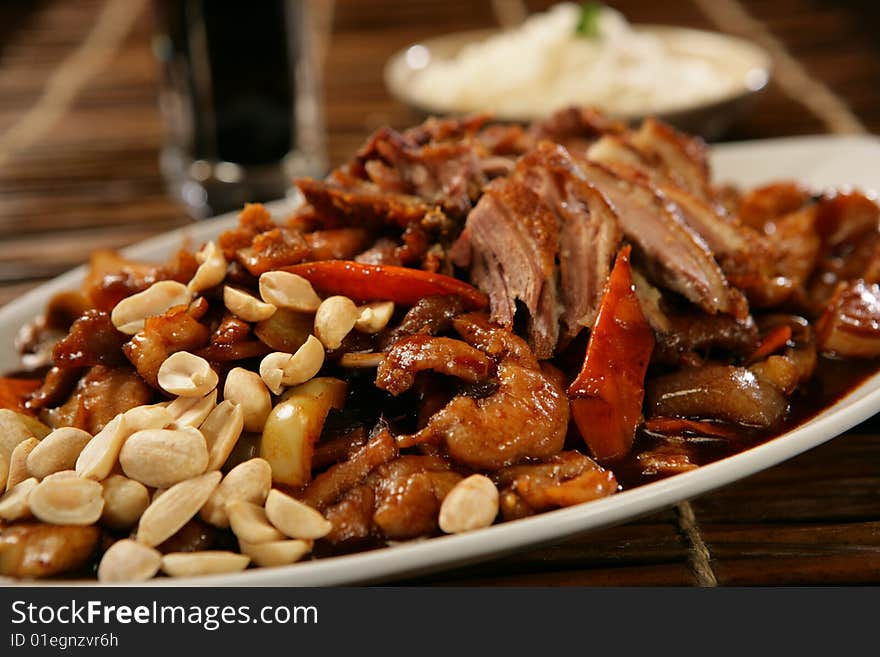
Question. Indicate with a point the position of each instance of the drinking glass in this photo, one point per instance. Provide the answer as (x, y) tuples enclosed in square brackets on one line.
[(240, 100)]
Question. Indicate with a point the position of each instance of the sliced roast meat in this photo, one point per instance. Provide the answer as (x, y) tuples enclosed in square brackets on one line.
[(589, 233), (677, 256), (510, 241), (685, 159)]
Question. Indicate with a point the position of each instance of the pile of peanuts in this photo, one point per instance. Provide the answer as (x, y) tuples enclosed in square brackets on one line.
[(154, 468)]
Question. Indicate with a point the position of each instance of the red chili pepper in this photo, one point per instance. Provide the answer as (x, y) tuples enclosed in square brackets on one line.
[(402, 285), (14, 392), (606, 397)]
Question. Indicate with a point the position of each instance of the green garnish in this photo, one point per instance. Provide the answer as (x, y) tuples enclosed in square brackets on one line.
[(588, 23)]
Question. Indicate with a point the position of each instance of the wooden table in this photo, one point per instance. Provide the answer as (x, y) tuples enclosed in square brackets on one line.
[(79, 138)]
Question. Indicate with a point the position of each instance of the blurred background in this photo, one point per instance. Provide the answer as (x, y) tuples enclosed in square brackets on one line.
[(80, 142)]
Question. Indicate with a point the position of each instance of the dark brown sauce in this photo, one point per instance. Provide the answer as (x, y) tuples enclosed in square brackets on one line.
[(831, 382)]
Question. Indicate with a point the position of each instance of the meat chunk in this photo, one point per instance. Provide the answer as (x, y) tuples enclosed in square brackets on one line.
[(163, 335), (408, 493), (850, 325), (565, 479), (40, 550), (93, 340), (417, 353), (345, 201), (526, 416), (100, 395)]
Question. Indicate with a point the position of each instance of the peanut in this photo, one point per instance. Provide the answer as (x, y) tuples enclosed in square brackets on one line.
[(471, 504), (4, 469), (12, 431), (186, 375), (285, 290), (14, 504), (58, 451), (249, 523), (100, 454), (153, 416), (18, 470), (334, 319), (373, 317), (125, 501), (296, 519), (69, 501), (160, 458), (245, 306), (175, 507), (192, 411), (128, 315), (194, 564), (247, 390), (279, 369), (129, 561), (211, 271), (221, 430), (249, 481), (275, 553)]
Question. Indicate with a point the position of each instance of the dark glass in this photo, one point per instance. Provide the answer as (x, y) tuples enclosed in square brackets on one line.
[(239, 100)]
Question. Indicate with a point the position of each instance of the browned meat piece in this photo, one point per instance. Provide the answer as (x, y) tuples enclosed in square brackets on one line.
[(850, 325), (418, 353), (352, 516), (684, 159), (39, 550), (761, 206), (676, 255), (565, 479), (575, 128), (93, 340), (755, 396), (525, 417), (589, 234), (670, 458), (700, 333), (445, 173), (510, 242), (57, 386), (195, 536), (346, 201), (797, 245), (163, 335), (408, 493), (273, 249), (443, 129), (383, 252), (430, 316), (232, 340), (336, 244), (101, 394), (329, 486), (253, 220)]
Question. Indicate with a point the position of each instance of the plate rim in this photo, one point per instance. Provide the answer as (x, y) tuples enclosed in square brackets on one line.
[(437, 553)]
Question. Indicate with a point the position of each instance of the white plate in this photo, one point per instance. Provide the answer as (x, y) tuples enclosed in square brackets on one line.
[(742, 61), (820, 161)]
